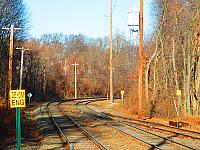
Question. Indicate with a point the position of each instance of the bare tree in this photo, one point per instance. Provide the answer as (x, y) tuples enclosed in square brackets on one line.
[(11, 12)]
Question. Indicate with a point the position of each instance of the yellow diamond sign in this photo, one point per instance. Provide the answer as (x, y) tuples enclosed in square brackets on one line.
[(17, 98)]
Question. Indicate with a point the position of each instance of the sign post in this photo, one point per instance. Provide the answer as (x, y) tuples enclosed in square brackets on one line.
[(18, 128), (29, 98), (17, 100)]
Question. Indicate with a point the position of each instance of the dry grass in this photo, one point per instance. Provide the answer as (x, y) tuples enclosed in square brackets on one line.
[(8, 128)]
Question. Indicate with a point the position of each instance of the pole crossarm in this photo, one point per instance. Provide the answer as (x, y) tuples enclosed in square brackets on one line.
[(4, 28), (75, 64), (22, 48)]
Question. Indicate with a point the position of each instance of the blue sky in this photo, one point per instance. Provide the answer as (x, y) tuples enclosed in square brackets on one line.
[(89, 17)]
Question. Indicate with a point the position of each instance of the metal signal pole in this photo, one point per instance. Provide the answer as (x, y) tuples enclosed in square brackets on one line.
[(18, 121), (65, 69), (111, 68), (10, 59), (21, 68), (75, 80), (140, 62)]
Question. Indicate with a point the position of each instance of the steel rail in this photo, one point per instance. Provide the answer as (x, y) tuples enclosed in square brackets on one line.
[(87, 133), (184, 130), (149, 144), (158, 136), (49, 131), (130, 125), (161, 129), (64, 138), (162, 125), (153, 123)]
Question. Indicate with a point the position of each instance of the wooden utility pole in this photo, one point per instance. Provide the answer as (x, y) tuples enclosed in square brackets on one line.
[(65, 69), (10, 59), (44, 80), (140, 62), (75, 80), (111, 68)]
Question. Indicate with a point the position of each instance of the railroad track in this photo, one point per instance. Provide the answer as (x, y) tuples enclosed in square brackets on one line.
[(73, 134), (156, 126), (47, 129), (158, 140), (109, 136)]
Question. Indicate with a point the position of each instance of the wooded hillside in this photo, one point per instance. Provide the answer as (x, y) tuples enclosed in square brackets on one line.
[(172, 60)]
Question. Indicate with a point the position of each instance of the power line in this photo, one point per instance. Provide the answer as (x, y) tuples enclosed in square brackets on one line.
[(114, 6)]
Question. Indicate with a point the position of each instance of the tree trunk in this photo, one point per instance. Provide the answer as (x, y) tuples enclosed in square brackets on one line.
[(198, 76), (188, 79), (184, 80), (152, 109), (147, 72), (175, 73), (196, 88), (165, 80)]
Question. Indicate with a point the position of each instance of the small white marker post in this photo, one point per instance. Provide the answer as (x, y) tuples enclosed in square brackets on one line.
[(122, 97), (178, 93), (29, 101)]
